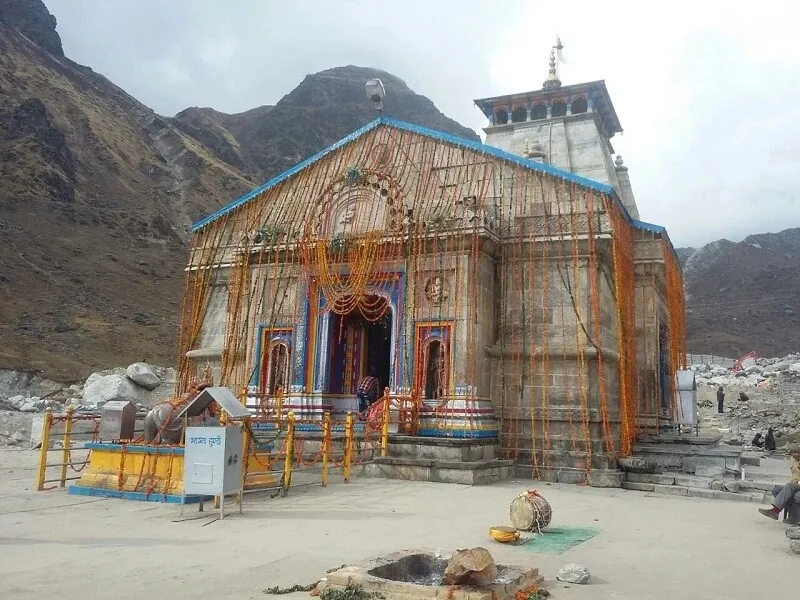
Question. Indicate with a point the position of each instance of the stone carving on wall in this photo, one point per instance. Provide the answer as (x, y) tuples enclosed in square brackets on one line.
[(360, 202), (436, 290)]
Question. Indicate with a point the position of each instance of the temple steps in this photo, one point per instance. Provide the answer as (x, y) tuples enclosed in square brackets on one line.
[(480, 472), (681, 484), (443, 460)]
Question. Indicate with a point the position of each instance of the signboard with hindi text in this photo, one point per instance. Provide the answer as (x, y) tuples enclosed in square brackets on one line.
[(213, 461)]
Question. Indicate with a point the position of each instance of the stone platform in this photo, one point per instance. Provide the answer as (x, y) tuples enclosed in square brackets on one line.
[(149, 473), (443, 460), (700, 459)]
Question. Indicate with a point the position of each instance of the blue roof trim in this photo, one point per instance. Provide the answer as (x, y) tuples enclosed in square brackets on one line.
[(645, 226), (448, 139), (501, 154), (431, 133), (648, 226)]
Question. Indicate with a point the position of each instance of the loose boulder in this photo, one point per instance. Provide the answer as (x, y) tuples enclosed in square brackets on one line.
[(144, 375), (470, 567), (101, 388), (573, 573)]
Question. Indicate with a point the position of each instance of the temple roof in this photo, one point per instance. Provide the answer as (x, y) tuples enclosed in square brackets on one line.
[(596, 90), (446, 138)]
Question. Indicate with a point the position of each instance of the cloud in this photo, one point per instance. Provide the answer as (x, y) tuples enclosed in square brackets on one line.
[(704, 90)]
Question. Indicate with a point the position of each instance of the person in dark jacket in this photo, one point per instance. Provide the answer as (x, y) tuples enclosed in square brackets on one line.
[(769, 441), (720, 399), (758, 441)]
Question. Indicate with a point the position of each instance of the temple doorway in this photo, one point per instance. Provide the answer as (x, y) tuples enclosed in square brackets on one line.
[(360, 345)]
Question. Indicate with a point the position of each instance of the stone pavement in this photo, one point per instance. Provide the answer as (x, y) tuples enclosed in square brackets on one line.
[(648, 547)]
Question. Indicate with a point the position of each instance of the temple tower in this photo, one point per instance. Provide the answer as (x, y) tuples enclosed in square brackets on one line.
[(569, 127)]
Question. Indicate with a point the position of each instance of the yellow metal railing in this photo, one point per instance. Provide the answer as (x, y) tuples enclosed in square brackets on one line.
[(59, 438)]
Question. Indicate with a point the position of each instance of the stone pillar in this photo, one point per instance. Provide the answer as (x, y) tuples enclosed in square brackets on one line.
[(625, 190)]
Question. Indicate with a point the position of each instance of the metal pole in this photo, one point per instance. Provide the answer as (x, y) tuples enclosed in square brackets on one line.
[(46, 424), (66, 443), (385, 423), (326, 446), (287, 463), (245, 457), (348, 445)]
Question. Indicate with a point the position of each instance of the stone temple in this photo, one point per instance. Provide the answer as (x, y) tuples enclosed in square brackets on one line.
[(509, 286)]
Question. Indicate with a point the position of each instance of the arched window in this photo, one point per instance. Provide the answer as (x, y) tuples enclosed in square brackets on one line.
[(278, 367), (435, 370), (539, 111), (500, 117), (559, 109), (579, 105), (519, 114)]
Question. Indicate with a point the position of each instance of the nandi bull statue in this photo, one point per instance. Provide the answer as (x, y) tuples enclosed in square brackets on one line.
[(162, 425)]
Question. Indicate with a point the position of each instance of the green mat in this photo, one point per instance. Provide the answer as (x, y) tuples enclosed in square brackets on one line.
[(557, 540)]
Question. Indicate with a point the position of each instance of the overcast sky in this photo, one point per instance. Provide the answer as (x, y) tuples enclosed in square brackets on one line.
[(708, 92)]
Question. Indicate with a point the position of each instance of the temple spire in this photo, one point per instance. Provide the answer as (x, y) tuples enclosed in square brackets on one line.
[(552, 80)]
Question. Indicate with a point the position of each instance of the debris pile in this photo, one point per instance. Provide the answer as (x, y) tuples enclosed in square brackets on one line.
[(22, 395), (762, 395), (783, 373)]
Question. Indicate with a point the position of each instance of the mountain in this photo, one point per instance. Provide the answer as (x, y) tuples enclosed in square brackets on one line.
[(324, 108), (99, 192), (744, 296)]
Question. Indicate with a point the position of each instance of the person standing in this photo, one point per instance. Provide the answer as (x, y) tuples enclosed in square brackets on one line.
[(720, 399), (769, 441), (367, 392)]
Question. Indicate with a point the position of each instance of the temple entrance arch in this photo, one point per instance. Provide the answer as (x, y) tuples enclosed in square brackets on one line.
[(360, 343)]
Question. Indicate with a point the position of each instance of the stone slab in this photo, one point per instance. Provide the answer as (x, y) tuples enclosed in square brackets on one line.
[(639, 487), (702, 493), (602, 478), (660, 478), (693, 481), (672, 490)]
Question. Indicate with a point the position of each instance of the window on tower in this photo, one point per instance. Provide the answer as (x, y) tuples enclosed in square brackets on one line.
[(579, 105), (500, 117), (559, 109), (539, 111), (519, 114)]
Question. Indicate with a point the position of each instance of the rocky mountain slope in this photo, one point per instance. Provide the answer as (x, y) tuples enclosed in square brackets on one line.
[(744, 296), (99, 191)]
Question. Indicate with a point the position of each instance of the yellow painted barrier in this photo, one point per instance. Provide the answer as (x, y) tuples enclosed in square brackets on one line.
[(348, 445), (287, 461), (326, 446), (42, 468), (385, 423)]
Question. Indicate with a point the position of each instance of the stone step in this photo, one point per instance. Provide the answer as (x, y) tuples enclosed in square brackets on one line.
[(751, 459), (448, 449), (676, 490), (462, 472), (710, 460)]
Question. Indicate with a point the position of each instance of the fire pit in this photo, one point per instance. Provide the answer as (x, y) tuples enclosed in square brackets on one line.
[(417, 574)]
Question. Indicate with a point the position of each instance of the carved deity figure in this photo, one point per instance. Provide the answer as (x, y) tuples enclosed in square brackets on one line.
[(347, 219), (435, 376), (436, 290)]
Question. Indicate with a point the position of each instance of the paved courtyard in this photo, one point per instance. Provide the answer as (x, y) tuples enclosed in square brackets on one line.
[(660, 547)]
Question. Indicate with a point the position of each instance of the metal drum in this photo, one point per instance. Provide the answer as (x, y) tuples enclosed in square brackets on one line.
[(530, 511)]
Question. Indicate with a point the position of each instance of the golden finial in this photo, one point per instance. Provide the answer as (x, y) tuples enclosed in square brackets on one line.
[(552, 80)]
